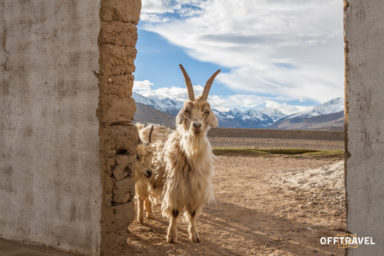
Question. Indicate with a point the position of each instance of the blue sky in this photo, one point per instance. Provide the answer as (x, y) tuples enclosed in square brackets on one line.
[(158, 61), (284, 54)]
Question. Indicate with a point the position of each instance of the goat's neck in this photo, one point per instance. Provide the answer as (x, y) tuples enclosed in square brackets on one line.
[(194, 146)]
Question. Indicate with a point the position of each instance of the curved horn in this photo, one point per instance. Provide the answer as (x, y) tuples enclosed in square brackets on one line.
[(150, 134), (208, 85), (188, 83)]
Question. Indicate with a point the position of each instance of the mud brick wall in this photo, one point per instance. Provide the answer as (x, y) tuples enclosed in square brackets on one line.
[(118, 137)]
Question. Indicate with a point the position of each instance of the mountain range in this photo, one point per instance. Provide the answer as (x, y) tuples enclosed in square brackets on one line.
[(326, 116)]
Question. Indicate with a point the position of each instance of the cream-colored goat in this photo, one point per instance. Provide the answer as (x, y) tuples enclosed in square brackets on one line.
[(143, 171), (148, 180), (188, 161)]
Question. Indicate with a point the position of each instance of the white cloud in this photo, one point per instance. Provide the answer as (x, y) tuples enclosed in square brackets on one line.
[(222, 103), (143, 86), (288, 50), (176, 93), (156, 6), (284, 107)]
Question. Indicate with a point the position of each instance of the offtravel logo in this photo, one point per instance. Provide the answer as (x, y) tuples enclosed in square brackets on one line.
[(347, 240)]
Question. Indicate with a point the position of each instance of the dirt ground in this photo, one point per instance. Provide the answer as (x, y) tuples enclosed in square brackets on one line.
[(276, 143), (13, 248), (255, 213), (265, 205)]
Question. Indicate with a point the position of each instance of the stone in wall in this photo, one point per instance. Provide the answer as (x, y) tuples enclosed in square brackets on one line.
[(117, 60), (118, 33), (117, 86), (116, 110), (119, 10), (123, 166)]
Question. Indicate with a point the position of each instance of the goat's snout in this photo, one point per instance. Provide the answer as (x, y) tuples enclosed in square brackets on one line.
[(148, 173), (196, 126)]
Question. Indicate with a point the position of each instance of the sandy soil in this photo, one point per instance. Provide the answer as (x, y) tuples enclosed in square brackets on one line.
[(270, 205)]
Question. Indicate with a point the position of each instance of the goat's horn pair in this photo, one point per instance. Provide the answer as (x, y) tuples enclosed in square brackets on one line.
[(207, 86)]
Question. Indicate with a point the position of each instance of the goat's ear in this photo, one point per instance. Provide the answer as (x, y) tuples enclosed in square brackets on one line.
[(212, 121), (180, 117)]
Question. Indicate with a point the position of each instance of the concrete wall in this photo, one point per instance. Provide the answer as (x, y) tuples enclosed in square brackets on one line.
[(50, 189), (364, 37)]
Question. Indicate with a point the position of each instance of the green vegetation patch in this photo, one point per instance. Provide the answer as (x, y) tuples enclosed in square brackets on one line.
[(279, 151)]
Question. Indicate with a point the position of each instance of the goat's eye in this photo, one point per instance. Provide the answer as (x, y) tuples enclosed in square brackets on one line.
[(206, 112), (187, 111), (138, 157)]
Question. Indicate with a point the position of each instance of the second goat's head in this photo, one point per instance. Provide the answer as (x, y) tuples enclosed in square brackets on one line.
[(144, 155), (196, 116)]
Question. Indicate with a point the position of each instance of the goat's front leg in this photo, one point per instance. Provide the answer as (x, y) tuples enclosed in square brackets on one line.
[(172, 229), (140, 210), (193, 235), (148, 208)]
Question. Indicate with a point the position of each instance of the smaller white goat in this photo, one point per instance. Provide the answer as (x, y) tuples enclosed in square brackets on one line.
[(149, 180), (143, 171)]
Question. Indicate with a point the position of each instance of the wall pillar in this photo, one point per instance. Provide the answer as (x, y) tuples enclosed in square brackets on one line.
[(118, 136), (364, 37)]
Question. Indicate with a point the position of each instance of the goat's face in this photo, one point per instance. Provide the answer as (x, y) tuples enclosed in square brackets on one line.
[(196, 117), (144, 154)]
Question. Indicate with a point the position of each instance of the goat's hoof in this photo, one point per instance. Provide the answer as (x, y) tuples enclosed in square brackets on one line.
[(140, 221), (195, 239), (171, 239)]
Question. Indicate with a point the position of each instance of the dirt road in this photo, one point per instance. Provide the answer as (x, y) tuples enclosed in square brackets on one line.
[(255, 213)]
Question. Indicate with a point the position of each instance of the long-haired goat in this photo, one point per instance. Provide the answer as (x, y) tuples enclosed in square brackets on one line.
[(143, 171), (188, 161), (149, 175)]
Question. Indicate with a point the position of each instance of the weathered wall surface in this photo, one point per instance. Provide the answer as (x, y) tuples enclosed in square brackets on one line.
[(364, 31), (50, 189), (118, 137)]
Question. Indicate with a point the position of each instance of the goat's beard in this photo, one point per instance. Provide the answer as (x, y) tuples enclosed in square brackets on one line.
[(192, 142)]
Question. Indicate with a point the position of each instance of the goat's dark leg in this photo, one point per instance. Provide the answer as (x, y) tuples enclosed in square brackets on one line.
[(172, 229), (140, 210), (193, 235)]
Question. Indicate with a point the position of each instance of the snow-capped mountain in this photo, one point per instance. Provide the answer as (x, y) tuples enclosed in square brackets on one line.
[(329, 107), (161, 103), (326, 114), (251, 118), (273, 113)]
